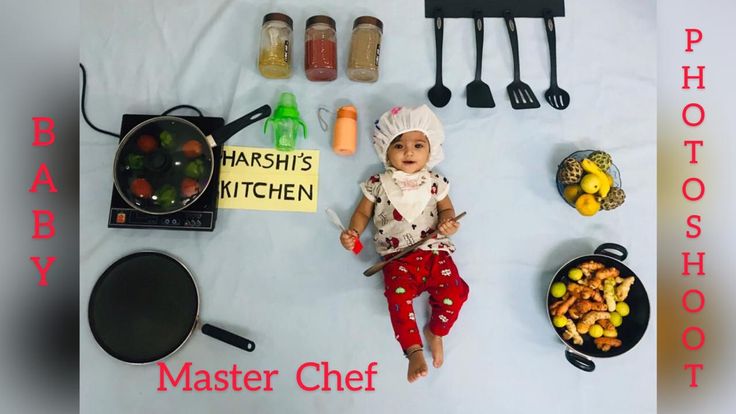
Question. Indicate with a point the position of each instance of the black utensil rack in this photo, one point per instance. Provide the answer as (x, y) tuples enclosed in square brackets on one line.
[(493, 8)]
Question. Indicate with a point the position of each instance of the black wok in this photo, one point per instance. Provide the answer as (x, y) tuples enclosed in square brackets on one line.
[(634, 325), (165, 163)]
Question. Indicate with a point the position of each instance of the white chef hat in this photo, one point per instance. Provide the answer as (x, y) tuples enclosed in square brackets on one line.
[(402, 119)]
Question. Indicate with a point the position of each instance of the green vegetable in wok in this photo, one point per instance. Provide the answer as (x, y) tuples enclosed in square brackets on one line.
[(135, 161), (165, 195), (167, 140), (195, 169)]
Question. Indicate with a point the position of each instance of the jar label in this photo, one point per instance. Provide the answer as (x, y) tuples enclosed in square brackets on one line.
[(286, 51), (378, 53)]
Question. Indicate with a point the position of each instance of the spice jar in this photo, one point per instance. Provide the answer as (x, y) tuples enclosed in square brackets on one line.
[(320, 44), (274, 59), (365, 49)]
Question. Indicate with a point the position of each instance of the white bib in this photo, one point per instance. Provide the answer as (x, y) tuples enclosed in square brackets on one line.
[(408, 193)]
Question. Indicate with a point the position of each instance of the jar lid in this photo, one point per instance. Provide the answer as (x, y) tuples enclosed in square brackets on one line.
[(368, 20), (278, 17), (321, 19)]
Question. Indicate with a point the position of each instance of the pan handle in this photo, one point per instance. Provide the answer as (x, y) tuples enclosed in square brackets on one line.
[(228, 337), (579, 361), (227, 131), (615, 247)]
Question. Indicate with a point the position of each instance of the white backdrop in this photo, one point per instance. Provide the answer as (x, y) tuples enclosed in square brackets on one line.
[(283, 280)]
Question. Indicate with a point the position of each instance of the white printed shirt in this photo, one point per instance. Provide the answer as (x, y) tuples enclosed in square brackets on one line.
[(393, 232)]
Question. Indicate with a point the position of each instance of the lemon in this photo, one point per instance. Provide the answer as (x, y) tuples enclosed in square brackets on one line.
[(572, 192), (558, 289), (616, 319), (559, 321), (622, 308), (596, 331), (587, 205), (590, 183), (575, 274)]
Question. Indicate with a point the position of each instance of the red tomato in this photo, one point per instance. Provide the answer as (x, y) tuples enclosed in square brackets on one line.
[(192, 148), (189, 187), (147, 143), (141, 188)]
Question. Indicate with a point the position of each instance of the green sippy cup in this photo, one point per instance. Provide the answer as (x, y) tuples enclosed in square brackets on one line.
[(285, 121)]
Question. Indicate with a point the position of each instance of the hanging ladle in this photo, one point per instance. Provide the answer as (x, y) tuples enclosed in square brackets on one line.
[(439, 95)]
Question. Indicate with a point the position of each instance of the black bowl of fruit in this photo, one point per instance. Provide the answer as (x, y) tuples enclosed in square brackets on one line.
[(589, 181)]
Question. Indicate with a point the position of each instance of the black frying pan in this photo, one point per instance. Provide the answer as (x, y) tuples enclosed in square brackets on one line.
[(634, 325), (164, 164), (145, 306)]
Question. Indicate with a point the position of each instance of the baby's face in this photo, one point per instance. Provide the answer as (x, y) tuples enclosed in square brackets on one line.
[(409, 152)]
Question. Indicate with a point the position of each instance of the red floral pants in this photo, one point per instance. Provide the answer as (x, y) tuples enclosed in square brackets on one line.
[(409, 276)]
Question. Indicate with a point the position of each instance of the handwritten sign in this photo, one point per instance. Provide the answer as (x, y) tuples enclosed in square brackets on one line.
[(267, 179)]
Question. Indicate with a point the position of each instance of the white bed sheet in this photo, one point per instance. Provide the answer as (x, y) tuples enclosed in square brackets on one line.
[(283, 279)]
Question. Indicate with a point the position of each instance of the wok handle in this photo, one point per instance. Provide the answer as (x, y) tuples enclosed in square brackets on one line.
[(232, 128), (615, 247), (228, 337), (579, 361)]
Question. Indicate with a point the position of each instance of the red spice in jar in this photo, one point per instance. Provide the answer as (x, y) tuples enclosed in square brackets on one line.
[(320, 49)]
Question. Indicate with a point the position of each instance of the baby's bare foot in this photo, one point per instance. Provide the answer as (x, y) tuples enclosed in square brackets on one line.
[(435, 345), (417, 365)]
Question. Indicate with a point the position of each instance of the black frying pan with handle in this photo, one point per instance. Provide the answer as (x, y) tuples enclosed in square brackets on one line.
[(145, 306), (634, 325)]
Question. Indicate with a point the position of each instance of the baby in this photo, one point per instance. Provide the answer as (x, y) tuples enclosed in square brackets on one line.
[(407, 202)]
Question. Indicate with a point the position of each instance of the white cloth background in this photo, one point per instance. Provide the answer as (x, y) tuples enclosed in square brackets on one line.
[(283, 280)]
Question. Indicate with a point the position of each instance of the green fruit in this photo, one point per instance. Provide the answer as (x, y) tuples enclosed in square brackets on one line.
[(616, 319), (601, 159), (596, 331), (622, 308), (400, 290), (447, 301), (575, 274), (559, 321), (558, 289)]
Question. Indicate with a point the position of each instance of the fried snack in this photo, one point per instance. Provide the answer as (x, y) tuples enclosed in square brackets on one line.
[(608, 329), (584, 292), (608, 293), (572, 333), (605, 344), (589, 267), (589, 319), (622, 290), (582, 307), (610, 272)]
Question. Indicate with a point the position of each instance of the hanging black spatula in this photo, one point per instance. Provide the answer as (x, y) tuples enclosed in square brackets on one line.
[(478, 93), (556, 96), (520, 93)]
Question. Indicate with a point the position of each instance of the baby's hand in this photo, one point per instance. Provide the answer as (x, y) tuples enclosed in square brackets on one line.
[(347, 238), (448, 227)]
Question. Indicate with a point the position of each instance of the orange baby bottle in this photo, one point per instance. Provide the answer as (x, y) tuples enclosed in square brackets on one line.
[(345, 135)]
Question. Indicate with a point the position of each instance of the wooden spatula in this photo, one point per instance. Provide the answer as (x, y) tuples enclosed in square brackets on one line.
[(378, 266)]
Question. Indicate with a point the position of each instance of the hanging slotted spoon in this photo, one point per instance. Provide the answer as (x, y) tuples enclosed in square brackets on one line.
[(520, 93), (478, 93), (557, 97)]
